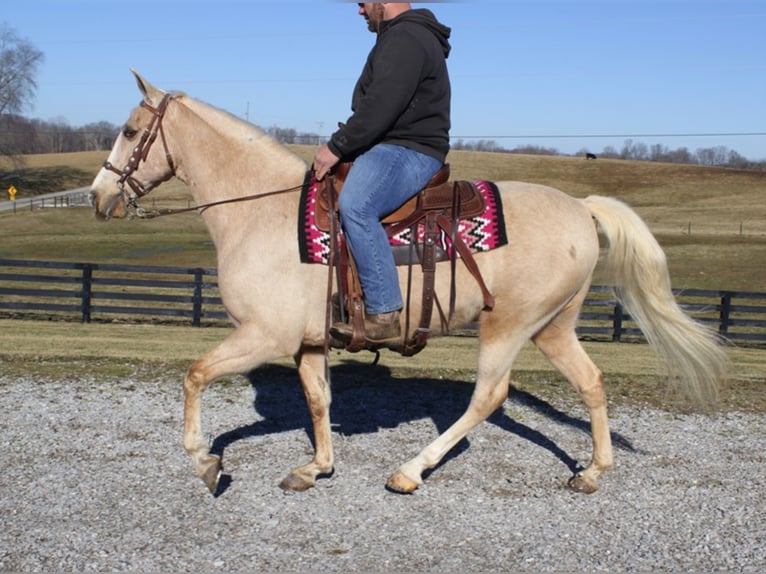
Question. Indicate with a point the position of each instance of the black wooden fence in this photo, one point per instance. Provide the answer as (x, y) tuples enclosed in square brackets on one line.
[(106, 292), (102, 291)]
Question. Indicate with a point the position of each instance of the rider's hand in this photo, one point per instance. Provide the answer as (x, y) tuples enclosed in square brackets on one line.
[(324, 160)]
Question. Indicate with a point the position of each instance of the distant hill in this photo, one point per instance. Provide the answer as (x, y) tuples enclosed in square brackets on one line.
[(673, 198)]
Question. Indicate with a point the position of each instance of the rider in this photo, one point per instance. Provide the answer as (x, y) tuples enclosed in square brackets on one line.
[(398, 138)]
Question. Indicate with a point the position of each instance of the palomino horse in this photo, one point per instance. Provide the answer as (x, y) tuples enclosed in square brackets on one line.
[(278, 304)]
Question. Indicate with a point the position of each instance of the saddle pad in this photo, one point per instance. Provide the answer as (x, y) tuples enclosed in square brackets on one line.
[(481, 233)]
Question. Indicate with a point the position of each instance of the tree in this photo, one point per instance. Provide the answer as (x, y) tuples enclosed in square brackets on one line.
[(18, 67), (737, 160), (634, 150), (610, 152), (99, 136), (19, 60)]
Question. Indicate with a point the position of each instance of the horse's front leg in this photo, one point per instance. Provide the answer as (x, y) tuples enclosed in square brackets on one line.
[(242, 351), (489, 393), (486, 399), (311, 368)]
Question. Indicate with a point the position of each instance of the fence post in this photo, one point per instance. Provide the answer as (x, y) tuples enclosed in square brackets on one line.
[(87, 291), (723, 327), (617, 323), (197, 298)]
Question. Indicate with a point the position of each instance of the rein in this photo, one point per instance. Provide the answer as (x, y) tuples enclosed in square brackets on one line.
[(143, 214)]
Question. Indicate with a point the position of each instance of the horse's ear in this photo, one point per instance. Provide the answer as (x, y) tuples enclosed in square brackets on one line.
[(152, 95)]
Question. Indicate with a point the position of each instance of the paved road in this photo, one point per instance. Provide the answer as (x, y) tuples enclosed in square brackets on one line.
[(71, 197)]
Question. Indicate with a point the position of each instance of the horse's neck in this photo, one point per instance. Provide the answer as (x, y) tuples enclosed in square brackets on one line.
[(226, 158)]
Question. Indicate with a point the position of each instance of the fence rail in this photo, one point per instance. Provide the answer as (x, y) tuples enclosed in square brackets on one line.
[(72, 198), (98, 291), (107, 292)]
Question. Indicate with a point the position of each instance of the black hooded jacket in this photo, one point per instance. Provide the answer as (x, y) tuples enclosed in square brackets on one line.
[(403, 94)]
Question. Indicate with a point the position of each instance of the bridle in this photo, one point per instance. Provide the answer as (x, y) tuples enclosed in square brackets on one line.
[(140, 153)]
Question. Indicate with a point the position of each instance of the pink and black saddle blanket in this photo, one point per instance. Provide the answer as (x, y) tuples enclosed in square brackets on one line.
[(479, 233)]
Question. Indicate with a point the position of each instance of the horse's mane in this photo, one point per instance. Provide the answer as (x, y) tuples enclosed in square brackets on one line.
[(238, 130)]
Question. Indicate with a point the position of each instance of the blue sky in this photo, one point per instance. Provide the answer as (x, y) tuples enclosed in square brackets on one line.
[(524, 72)]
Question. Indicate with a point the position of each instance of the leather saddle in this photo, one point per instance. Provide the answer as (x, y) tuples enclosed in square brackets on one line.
[(438, 194), (438, 208)]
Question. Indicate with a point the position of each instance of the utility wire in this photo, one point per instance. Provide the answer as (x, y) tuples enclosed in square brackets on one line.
[(684, 135)]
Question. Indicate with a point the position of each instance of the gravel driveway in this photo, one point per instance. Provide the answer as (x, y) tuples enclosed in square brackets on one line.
[(95, 479)]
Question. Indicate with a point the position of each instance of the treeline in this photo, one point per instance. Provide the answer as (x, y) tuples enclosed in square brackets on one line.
[(22, 136), (719, 156)]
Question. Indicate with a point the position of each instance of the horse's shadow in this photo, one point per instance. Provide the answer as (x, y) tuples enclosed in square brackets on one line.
[(366, 398)]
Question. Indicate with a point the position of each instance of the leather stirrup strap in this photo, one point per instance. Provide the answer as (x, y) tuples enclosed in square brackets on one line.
[(430, 239), (453, 259), (470, 263), (349, 289), (331, 268), (355, 308)]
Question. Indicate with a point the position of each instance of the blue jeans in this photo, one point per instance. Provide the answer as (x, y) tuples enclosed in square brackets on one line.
[(380, 181)]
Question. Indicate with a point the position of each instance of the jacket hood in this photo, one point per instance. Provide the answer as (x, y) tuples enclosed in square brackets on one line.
[(426, 18)]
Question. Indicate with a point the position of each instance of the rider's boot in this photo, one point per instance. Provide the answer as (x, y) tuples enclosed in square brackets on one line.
[(379, 329)]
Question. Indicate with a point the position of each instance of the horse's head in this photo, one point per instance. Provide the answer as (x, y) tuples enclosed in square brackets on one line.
[(135, 166)]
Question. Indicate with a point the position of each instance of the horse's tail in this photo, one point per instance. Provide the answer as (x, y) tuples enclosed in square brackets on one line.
[(638, 270)]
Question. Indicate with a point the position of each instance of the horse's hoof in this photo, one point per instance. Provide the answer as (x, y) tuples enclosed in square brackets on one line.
[(398, 482), (212, 474), (584, 484), (293, 482)]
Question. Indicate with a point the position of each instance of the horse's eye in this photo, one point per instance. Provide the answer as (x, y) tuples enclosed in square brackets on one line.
[(129, 132)]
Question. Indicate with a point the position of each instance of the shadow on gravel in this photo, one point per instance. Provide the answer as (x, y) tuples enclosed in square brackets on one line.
[(367, 398)]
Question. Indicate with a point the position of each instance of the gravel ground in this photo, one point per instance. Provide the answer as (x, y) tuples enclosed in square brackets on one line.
[(95, 479)]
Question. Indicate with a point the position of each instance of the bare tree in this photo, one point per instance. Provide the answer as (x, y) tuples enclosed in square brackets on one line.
[(610, 152), (634, 150), (19, 60), (18, 67), (99, 135), (658, 152)]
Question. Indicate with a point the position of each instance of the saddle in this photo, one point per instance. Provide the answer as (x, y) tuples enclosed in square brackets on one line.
[(438, 208)]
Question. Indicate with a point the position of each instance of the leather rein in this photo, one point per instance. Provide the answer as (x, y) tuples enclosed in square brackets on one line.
[(141, 152)]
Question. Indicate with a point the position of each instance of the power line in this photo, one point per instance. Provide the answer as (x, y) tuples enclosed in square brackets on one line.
[(558, 136)]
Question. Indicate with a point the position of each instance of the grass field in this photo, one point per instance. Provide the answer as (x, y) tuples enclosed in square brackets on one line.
[(710, 221), (61, 351)]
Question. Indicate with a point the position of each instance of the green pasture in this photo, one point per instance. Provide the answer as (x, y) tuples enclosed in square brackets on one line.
[(710, 221), (61, 351)]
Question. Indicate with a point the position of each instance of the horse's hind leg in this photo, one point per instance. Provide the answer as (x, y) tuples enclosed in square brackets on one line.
[(560, 345), (316, 387)]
